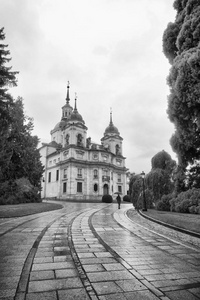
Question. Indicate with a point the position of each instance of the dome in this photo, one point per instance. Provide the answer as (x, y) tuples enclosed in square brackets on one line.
[(111, 129), (75, 116), (59, 125)]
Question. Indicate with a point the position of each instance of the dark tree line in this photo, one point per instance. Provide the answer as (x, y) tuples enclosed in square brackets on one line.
[(20, 166)]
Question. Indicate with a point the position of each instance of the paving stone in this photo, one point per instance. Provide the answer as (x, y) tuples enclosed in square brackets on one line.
[(93, 268), (150, 272), (96, 246), (66, 273), (141, 295), (103, 254), (56, 284), (114, 267), (60, 243), (130, 285), (39, 260), (103, 288), (181, 295), (87, 255), (156, 277), (66, 248), (109, 276), (62, 258), (61, 253), (118, 296), (100, 260), (44, 254), (53, 266), (41, 275), (42, 296), (73, 294)]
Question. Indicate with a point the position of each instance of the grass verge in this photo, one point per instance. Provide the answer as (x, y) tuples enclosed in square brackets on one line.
[(25, 209), (189, 222)]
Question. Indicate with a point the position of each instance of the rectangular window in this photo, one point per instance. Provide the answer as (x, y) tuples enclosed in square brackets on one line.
[(79, 173), (95, 174), (49, 177), (57, 175), (119, 188), (119, 178), (79, 187), (64, 187), (105, 172), (65, 173)]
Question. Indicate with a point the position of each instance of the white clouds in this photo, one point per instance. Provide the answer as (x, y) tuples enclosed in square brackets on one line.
[(111, 51)]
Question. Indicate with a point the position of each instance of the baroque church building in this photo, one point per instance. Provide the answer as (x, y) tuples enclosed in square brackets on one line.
[(75, 167)]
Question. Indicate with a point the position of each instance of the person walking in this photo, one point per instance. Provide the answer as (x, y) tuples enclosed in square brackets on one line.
[(118, 201)]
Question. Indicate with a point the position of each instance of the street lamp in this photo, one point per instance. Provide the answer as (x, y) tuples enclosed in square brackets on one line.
[(143, 188)]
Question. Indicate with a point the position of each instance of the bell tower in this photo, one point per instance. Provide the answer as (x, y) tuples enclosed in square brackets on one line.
[(112, 141)]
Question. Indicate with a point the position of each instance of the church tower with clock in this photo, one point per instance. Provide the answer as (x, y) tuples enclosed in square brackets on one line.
[(77, 168)]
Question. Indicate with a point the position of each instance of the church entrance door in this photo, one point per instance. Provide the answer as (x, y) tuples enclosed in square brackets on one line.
[(105, 189)]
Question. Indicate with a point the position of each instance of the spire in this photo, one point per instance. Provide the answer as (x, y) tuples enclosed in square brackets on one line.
[(67, 98), (111, 122), (75, 109)]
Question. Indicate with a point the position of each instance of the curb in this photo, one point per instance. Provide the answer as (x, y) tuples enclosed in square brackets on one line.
[(188, 232)]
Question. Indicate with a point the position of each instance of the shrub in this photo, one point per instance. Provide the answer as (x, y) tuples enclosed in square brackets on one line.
[(18, 191), (107, 199), (186, 202), (127, 198), (197, 210), (183, 206), (164, 203), (192, 209)]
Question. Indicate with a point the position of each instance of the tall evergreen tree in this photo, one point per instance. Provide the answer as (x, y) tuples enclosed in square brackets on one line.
[(181, 45), (7, 79), (19, 156)]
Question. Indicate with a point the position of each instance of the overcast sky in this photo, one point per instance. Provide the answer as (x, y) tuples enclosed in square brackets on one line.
[(110, 51)]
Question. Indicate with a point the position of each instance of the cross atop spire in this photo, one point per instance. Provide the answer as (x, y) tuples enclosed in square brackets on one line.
[(67, 98)]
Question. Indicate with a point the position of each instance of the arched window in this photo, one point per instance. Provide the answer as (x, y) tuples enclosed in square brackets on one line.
[(67, 139), (117, 149), (79, 140), (95, 187)]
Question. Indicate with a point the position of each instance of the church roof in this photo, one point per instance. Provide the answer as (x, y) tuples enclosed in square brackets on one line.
[(59, 125), (75, 116), (111, 129)]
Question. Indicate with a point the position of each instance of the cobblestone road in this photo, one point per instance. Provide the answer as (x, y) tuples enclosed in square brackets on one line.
[(93, 251)]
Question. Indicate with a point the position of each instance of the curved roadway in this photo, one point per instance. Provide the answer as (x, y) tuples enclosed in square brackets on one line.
[(93, 251)]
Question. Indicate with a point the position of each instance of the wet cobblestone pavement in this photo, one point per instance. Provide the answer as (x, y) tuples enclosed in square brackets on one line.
[(93, 251)]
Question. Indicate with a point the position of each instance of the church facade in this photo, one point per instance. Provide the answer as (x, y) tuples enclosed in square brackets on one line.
[(75, 167)]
